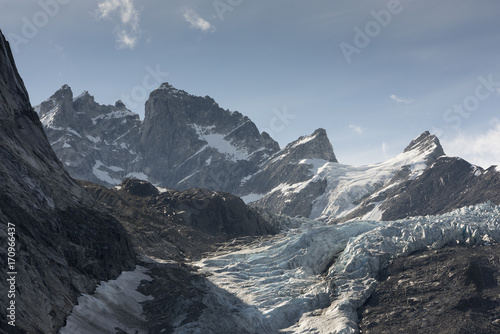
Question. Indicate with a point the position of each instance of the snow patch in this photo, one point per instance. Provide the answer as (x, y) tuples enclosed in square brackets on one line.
[(95, 140), (251, 198), (103, 175), (113, 114), (303, 141), (114, 304), (138, 175), (218, 142)]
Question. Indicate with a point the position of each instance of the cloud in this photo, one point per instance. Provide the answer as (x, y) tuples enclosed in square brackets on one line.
[(482, 149), (127, 29), (356, 129), (196, 21), (400, 100)]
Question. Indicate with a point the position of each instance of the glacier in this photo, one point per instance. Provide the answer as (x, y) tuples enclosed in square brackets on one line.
[(311, 278), (314, 277)]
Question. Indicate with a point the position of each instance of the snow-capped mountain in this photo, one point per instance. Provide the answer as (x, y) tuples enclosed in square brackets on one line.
[(327, 189), (189, 141), (95, 142), (184, 140)]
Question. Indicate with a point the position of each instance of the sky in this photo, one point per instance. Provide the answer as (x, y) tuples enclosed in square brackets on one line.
[(375, 74)]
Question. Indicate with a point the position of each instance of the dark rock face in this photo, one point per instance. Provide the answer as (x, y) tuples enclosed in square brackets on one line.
[(91, 140), (451, 290), (291, 165), (179, 224), (65, 244), (450, 183), (189, 141)]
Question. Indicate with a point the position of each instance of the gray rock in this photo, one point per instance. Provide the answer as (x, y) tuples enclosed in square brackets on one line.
[(185, 141), (189, 141), (64, 243)]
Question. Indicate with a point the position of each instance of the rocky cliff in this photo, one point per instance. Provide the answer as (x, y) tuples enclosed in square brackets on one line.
[(184, 141), (64, 245)]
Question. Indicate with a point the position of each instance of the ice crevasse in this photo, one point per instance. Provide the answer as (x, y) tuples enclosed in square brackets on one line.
[(314, 277)]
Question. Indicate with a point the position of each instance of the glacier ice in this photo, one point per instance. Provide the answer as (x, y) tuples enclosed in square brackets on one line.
[(311, 278), (314, 277)]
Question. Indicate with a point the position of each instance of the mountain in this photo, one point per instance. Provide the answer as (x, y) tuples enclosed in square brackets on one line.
[(184, 141), (332, 190), (61, 242), (188, 141), (91, 139)]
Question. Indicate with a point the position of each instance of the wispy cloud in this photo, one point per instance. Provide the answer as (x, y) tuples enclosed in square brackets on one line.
[(196, 21), (401, 100), (356, 129), (482, 149), (127, 30)]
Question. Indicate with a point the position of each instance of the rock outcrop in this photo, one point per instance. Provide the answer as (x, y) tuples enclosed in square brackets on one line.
[(64, 244), (175, 224)]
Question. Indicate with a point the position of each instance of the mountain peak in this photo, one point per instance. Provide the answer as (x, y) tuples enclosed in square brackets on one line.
[(172, 90), (426, 143), (315, 146), (120, 105), (64, 93)]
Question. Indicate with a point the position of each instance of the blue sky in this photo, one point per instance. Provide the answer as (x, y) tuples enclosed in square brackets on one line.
[(374, 74)]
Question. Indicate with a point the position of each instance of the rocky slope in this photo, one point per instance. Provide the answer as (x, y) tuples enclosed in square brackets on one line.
[(64, 244), (449, 290), (179, 225)]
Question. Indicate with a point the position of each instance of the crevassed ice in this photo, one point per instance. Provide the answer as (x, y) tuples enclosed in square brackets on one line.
[(290, 279)]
